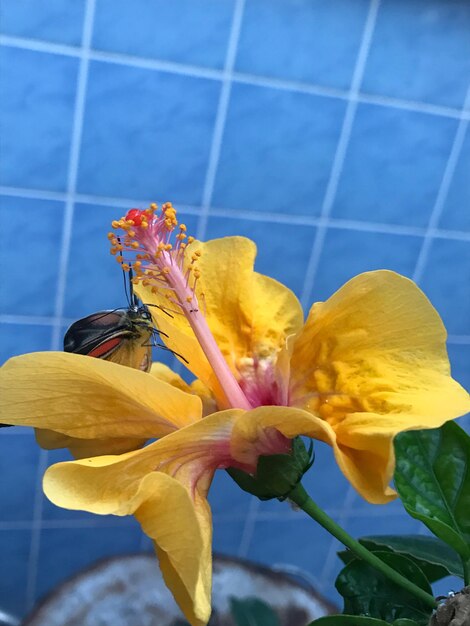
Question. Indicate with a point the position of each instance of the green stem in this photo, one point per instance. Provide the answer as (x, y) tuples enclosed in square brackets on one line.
[(466, 572), (305, 502)]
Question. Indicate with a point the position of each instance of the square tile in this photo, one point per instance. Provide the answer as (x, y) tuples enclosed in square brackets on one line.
[(350, 252), (67, 551), (302, 40), (446, 282), (31, 288), (331, 493), (58, 21), (147, 134), (21, 338), (38, 99), (277, 150), (14, 550), (393, 166), (447, 585), (95, 280), (421, 51), (299, 542), (18, 469), (283, 249), (226, 499), (227, 537), (456, 212), (381, 524), (459, 356), (195, 32)]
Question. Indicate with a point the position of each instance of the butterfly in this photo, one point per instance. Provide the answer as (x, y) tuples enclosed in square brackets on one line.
[(123, 336)]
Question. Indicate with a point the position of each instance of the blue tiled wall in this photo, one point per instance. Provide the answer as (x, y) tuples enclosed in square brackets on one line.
[(335, 134)]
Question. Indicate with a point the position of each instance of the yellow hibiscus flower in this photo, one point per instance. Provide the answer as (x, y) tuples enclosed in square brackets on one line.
[(368, 363)]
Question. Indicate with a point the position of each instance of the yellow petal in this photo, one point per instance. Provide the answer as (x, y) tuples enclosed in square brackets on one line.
[(369, 471), (376, 348), (250, 315), (165, 373), (371, 362), (164, 485), (209, 403), (83, 448), (89, 398)]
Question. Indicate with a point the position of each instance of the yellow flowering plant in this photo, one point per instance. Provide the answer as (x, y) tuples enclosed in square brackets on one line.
[(366, 365)]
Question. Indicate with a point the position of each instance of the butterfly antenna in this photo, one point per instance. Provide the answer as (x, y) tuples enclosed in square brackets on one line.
[(162, 308), (134, 300), (126, 281), (160, 345)]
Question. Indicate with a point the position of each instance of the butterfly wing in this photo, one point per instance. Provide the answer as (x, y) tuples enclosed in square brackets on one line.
[(122, 336)]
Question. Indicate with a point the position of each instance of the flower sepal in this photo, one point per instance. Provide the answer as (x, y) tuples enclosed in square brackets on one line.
[(277, 474)]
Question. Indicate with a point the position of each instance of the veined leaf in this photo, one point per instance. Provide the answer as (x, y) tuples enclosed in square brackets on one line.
[(432, 556), (348, 620), (432, 478), (366, 591), (358, 620)]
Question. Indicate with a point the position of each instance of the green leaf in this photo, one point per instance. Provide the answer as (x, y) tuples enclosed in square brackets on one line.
[(348, 620), (368, 592), (358, 620), (432, 556), (432, 478), (253, 612)]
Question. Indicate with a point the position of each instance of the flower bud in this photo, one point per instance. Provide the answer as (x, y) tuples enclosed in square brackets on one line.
[(276, 474)]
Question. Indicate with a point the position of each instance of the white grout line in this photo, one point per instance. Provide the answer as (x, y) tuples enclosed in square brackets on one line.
[(64, 523), (238, 77), (413, 106), (282, 515), (64, 257), (334, 543), (283, 84), (255, 216), (442, 193), (27, 320), (191, 71), (221, 117), (249, 527), (37, 45), (340, 154), (459, 340)]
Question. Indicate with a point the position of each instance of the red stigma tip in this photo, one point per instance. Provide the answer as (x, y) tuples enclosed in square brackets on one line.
[(136, 215)]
